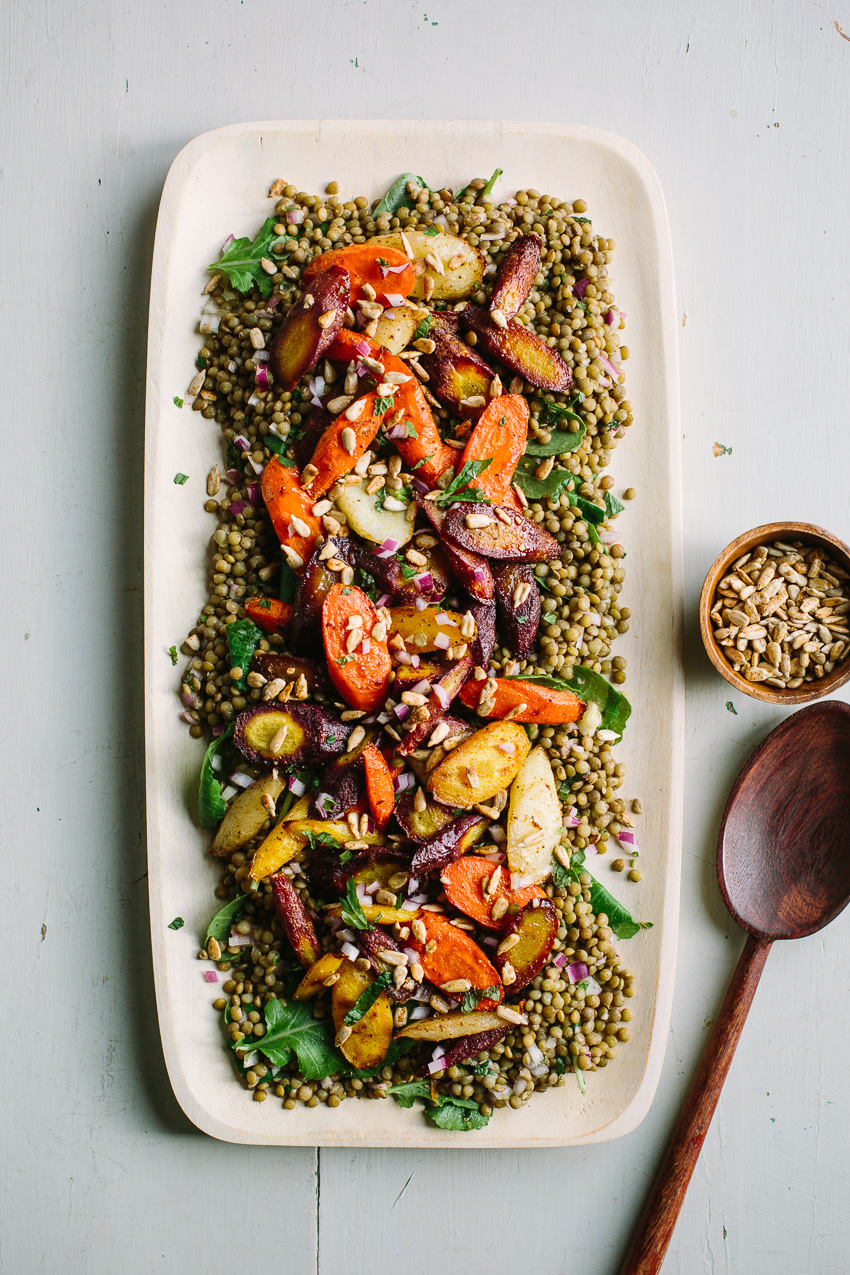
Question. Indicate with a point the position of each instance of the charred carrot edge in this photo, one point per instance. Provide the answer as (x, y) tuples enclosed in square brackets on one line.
[(363, 263), (499, 436), (285, 498), (425, 453), (542, 705), (331, 458), (362, 679), (269, 614), (455, 956), (379, 786), (463, 883)]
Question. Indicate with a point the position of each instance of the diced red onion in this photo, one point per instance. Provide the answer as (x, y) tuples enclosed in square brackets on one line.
[(384, 599), (535, 1053), (591, 987), (401, 711), (435, 1065), (560, 959), (365, 646), (442, 618), (398, 431), (507, 747), (262, 377), (424, 581), (577, 971), (402, 657), (498, 833), (443, 641), (297, 786), (240, 779), (479, 575), (349, 950), (347, 936), (362, 892), (422, 993), (609, 536), (627, 838), (373, 888), (242, 443), (615, 371), (188, 699), (442, 695), (414, 661), (254, 399), (211, 976), (418, 1011), (295, 216), (420, 687), (611, 317), (216, 731), (255, 465), (253, 493), (580, 288), (394, 298), (442, 220), (437, 1051), (416, 899), (421, 486), (538, 1069), (363, 349), (495, 856), (420, 604), (233, 476), (405, 780), (187, 718), (386, 550), (385, 270), (228, 241), (316, 386), (235, 939), (238, 506), (571, 819), (490, 941), (259, 356)]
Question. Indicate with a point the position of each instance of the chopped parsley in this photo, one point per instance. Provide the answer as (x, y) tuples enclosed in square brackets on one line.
[(432, 230), (410, 430), (178, 402), (383, 405), (342, 660), (320, 839), (172, 651), (423, 328), (177, 923), (352, 910), (458, 489), (180, 479)]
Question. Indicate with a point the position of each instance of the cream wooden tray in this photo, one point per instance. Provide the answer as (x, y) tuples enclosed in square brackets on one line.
[(219, 184)]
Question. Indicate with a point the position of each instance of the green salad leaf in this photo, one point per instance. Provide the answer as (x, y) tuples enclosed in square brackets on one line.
[(539, 488), (292, 1029), (471, 470), (612, 505), (367, 998), (458, 1114), (620, 918), (407, 1093), (222, 923), (241, 261), (398, 196), (211, 804), (560, 441), (588, 685), (288, 581), (243, 638), (352, 909), (275, 444)]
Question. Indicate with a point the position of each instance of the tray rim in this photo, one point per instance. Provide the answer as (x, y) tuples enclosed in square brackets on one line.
[(634, 1112)]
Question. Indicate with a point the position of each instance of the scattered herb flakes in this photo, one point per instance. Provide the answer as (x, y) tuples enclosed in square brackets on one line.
[(177, 923), (720, 450), (275, 444), (180, 479), (178, 402), (423, 328), (320, 839), (432, 230), (612, 505), (730, 708), (352, 910), (549, 618), (172, 651), (345, 856)]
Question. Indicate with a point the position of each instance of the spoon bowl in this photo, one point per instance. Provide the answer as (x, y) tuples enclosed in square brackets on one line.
[(783, 854)]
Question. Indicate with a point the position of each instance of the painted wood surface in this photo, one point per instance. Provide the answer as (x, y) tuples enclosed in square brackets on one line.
[(742, 108)]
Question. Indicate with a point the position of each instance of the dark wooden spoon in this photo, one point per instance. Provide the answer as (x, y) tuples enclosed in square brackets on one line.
[(783, 863)]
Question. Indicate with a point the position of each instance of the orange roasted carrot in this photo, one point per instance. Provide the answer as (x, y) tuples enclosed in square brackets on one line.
[(379, 786), (286, 499), (422, 449), (499, 436), (332, 459), (362, 676), (463, 882), (455, 955), (363, 261), (269, 614), (542, 705)]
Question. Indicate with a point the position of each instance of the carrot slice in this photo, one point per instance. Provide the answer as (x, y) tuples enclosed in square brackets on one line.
[(362, 678), (455, 955), (269, 614), (422, 449), (542, 705), (285, 498), (331, 459), (463, 882), (499, 436), (363, 263), (379, 785)]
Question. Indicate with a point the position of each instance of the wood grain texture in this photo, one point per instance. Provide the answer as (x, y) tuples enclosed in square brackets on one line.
[(743, 111)]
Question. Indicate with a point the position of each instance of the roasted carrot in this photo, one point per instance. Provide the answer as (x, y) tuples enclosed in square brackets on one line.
[(363, 263), (464, 881), (422, 449), (454, 956), (270, 614), (536, 703), (343, 443), (379, 786), (362, 676), (286, 500), (499, 436)]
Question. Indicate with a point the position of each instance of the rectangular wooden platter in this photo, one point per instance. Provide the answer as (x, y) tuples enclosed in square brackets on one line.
[(219, 184)]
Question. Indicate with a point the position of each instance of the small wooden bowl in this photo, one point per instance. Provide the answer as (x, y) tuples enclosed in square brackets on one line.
[(770, 532)]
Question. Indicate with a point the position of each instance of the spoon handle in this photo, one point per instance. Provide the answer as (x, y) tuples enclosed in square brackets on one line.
[(655, 1228)]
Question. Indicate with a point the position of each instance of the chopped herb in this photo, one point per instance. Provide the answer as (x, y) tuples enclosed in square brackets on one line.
[(200, 363), (346, 591), (177, 923), (560, 1066), (288, 581), (352, 910), (382, 261), (275, 444), (549, 618), (432, 230), (178, 402), (241, 262), (470, 471), (345, 856), (473, 998), (225, 918), (320, 839), (612, 505), (422, 461), (582, 1084), (367, 999), (211, 804), (180, 479), (172, 651), (342, 660), (264, 603), (583, 221), (410, 430), (561, 876), (582, 305), (382, 405), (730, 707), (408, 571), (422, 329)]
